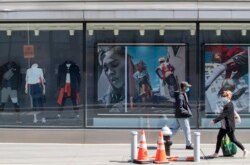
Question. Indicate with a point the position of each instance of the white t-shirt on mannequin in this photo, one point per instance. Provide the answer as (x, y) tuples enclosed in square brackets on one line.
[(68, 74)]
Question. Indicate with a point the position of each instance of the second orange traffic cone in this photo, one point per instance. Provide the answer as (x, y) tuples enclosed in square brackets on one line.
[(160, 156)]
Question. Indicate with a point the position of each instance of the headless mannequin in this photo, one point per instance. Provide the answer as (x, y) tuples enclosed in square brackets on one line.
[(35, 84), (10, 81), (68, 72)]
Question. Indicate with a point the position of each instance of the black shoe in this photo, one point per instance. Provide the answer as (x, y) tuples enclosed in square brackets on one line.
[(189, 147)]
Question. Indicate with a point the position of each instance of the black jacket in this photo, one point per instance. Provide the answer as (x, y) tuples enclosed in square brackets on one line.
[(10, 75), (228, 115), (75, 78), (182, 107)]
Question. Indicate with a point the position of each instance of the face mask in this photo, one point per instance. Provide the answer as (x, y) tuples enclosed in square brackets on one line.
[(187, 90), (224, 100)]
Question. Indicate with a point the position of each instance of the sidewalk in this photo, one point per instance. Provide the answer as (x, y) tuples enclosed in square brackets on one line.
[(98, 154)]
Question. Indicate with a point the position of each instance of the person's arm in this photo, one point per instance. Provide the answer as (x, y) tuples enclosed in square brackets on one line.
[(159, 73), (222, 115), (216, 72)]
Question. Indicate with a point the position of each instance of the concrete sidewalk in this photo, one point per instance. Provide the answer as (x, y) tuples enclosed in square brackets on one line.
[(97, 154)]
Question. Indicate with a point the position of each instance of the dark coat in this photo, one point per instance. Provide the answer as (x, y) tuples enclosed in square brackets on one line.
[(75, 78), (182, 107), (228, 115), (14, 75)]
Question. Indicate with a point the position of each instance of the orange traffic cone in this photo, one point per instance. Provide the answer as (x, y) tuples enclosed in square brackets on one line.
[(143, 149), (160, 156)]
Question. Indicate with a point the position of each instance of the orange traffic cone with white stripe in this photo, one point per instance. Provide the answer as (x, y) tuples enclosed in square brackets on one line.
[(143, 149), (160, 156)]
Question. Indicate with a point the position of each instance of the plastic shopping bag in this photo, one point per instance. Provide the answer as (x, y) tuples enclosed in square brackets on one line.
[(228, 148)]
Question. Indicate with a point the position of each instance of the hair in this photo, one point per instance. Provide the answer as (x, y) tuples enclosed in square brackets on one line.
[(227, 93), (119, 50)]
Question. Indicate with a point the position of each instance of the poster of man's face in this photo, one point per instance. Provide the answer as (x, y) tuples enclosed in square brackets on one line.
[(226, 68), (133, 78)]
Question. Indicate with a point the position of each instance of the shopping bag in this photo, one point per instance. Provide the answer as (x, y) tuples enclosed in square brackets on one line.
[(228, 147), (237, 118)]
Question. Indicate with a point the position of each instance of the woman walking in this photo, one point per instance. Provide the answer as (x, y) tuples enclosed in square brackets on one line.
[(227, 124)]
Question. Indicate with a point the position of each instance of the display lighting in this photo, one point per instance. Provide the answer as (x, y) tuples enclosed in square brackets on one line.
[(71, 32), (243, 32), (142, 32), (116, 32), (192, 32), (218, 32), (36, 32), (161, 31), (91, 32), (8, 32)]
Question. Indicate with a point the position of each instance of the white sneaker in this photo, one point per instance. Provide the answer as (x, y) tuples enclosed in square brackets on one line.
[(43, 120), (58, 115)]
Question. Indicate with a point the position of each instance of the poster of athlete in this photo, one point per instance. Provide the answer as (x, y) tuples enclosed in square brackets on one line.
[(131, 75), (226, 68)]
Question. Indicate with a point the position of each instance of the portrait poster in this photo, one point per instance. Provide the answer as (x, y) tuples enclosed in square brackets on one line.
[(135, 77), (226, 68)]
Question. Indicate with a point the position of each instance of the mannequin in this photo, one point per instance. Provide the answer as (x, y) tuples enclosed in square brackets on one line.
[(10, 80), (35, 84), (68, 82)]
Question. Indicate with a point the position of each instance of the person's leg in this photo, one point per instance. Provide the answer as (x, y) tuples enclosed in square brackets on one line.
[(184, 123), (175, 127), (221, 134), (234, 140)]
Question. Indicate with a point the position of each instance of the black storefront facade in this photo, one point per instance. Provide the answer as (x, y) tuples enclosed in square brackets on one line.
[(90, 59)]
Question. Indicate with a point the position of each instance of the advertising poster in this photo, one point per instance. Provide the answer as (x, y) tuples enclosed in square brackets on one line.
[(133, 78), (226, 68)]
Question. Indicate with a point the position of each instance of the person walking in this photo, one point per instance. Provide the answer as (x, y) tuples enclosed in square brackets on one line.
[(227, 118), (183, 113)]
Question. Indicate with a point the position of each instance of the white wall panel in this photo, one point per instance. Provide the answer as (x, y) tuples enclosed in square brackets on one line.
[(41, 15)]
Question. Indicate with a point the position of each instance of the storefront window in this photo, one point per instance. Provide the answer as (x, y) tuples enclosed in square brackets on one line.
[(126, 86), (41, 75), (225, 66)]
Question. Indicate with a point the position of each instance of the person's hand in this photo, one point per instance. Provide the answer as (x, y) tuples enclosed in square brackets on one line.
[(44, 90), (26, 90), (211, 123)]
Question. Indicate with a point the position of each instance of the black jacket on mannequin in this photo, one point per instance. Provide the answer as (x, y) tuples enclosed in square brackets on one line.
[(10, 75), (74, 71)]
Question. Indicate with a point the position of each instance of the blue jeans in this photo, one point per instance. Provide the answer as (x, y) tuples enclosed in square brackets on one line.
[(182, 123)]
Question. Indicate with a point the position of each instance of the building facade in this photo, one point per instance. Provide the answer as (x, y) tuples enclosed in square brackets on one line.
[(73, 67)]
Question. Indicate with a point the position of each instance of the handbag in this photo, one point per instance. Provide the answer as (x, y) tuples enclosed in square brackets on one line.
[(237, 117), (228, 147)]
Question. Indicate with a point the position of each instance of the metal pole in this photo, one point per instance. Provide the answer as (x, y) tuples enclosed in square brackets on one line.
[(197, 146), (133, 145)]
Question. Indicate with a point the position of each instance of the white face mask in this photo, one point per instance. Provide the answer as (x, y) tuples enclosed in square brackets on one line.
[(224, 100)]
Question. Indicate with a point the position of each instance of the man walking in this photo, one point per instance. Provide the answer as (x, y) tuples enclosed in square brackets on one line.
[(183, 113)]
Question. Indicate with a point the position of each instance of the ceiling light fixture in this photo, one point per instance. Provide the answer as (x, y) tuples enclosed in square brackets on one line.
[(218, 32), (243, 32), (36, 32), (8, 32), (91, 32), (192, 32), (71, 32), (161, 32), (142, 32), (116, 32)]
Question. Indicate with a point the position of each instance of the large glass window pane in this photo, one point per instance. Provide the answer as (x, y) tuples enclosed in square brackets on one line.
[(225, 66), (126, 86), (41, 75)]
